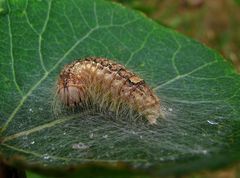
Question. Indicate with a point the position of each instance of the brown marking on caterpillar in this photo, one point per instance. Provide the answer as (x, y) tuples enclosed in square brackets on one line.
[(108, 84)]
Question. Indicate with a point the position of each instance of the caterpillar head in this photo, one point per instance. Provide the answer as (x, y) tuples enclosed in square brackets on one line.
[(69, 92)]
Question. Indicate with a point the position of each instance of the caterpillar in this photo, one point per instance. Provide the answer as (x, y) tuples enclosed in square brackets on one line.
[(108, 84)]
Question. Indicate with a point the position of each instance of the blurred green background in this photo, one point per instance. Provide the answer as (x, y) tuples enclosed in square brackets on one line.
[(215, 23)]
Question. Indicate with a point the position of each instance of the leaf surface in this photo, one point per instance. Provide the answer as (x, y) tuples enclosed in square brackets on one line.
[(198, 89)]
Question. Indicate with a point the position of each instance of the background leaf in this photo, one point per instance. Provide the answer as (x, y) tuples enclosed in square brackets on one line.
[(198, 90)]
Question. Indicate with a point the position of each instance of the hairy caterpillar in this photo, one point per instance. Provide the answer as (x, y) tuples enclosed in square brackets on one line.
[(107, 84)]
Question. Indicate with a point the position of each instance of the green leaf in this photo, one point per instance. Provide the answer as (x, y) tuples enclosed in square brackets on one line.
[(198, 89), (3, 8), (237, 2)]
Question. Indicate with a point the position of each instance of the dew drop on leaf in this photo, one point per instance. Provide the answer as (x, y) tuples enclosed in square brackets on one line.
[(212, 122), (46, 156), (105, 136), (32, 142), (204, 152), (91, 135), (79, 146)]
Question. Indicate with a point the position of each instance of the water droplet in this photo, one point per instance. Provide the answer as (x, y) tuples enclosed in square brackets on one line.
[(91, 135), (134, 133), (80, 146), (32, 142), (212, 122), (161, 159), (105, 136), (204, 152), (30, 110), (46, 156)]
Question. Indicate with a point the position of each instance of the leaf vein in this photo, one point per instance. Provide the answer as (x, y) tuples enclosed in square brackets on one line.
[(34, 153), (40, 155), (184, 75), (70, 23), (11, 54), (27, 19), (95, 13), (41, 80), (173, 59), (79, 10), (38, 128), (40, 37), (140, 47)]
